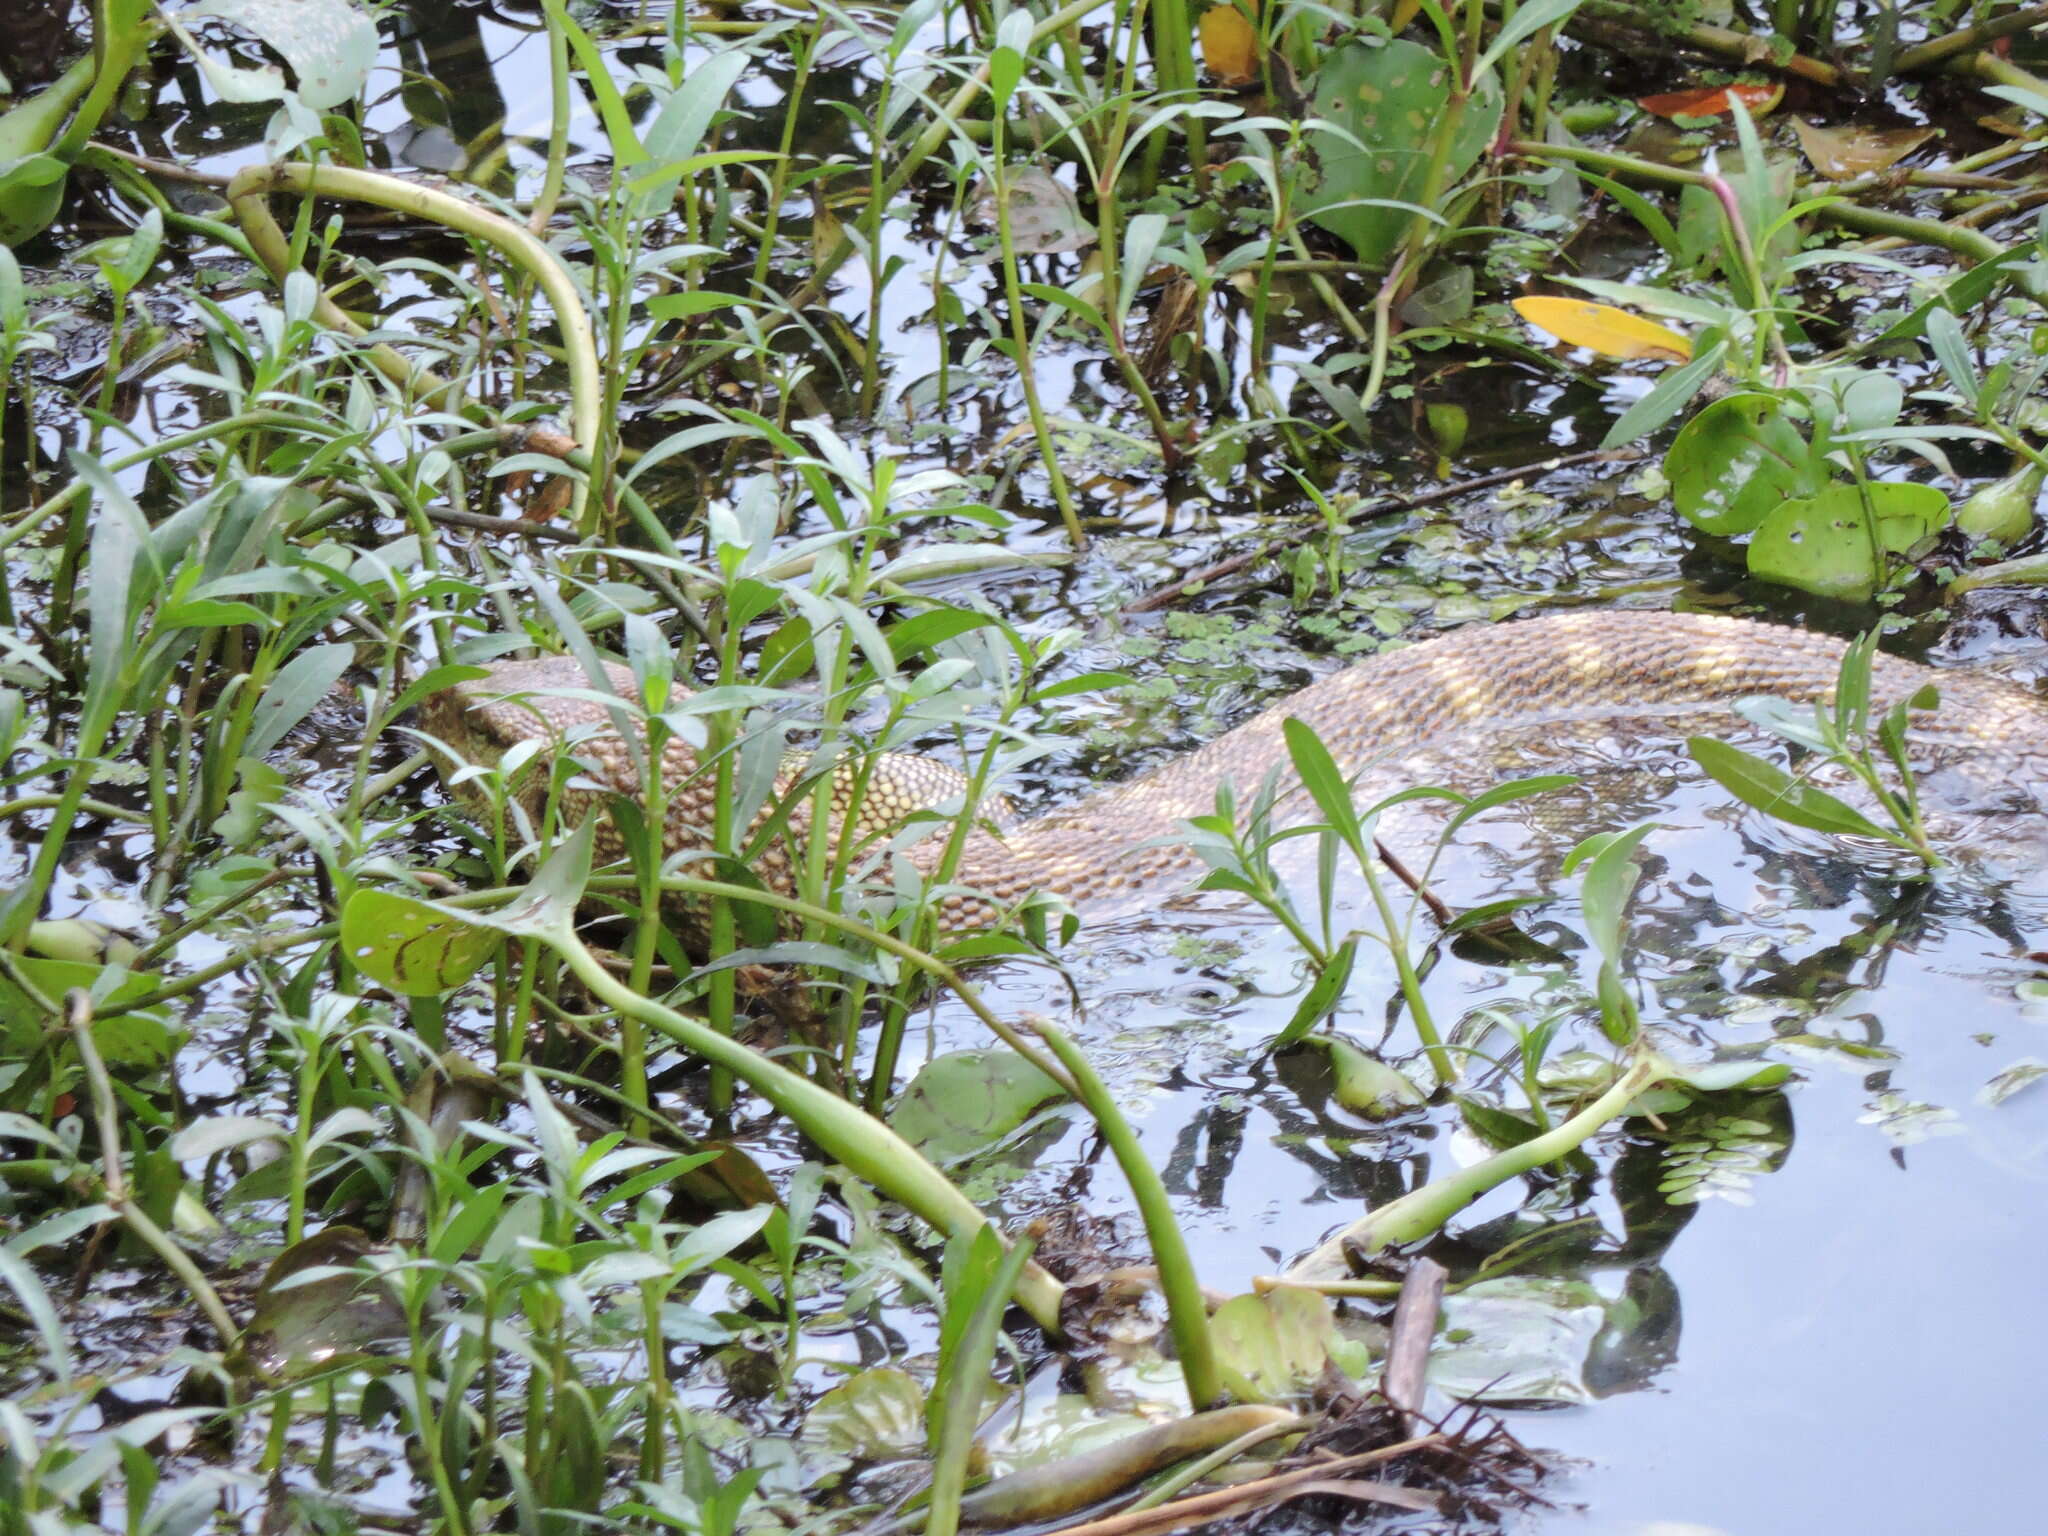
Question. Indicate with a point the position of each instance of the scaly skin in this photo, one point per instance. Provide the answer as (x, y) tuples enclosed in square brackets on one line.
[(1567, 667)]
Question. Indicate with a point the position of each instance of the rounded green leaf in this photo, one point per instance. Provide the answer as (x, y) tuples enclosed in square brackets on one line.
[(1390, 100), (1735, 463), (414, 948), (1823, 544)]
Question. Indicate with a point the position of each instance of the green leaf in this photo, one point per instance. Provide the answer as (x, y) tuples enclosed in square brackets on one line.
[(1383, 104), (1272, 1346), (1323, 996), (1667, 397), (416, 948), (1768, 788), (964, 1101), (1823, 544), (1736, 462), (1526, 22), (299, 685), (1324, 781)]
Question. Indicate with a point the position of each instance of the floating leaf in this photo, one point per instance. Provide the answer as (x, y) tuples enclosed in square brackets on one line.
[(1849, 151), (1821, 544), (1389, 100), (1609, 331), (1714, 101), (306, 1318), (1230, 45), (966, 1100), (1736, 462), (329, 44), (1272, 1346), (876, 1415)]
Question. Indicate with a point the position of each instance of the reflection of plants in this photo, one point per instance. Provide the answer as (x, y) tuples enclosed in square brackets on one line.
[(1717, 1158)]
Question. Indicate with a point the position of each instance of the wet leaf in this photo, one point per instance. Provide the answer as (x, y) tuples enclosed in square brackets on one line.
[(964, 1101), (1272, 1346), (415, 948), (1518, 1340), (330, 45), (2023, 1073), (315, 1305), (1364, 1083), (1230, 45), (1383, 104), (1714, 101), (2004, 509), (1044, 216), (136, 1040), (1849, 151), (876, 1415), (1736, 462), (1609, 331), (1820, 544)]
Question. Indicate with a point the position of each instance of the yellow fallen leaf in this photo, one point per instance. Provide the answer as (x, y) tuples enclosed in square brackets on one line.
[(1229, 45), (1609, 331)]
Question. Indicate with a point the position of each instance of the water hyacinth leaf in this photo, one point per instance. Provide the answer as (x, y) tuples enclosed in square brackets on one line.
[(1768, 788), (1602, 328), (1382, 105), (1736, 462), (965, 1101), (126, 1039), (1365, 1084), (416, 948), (1521, 1339), (1045, 217), (1272, 1346), (876, 1415), (1728, 1076), (1824, 544), (316, 1303), (2004, 509)]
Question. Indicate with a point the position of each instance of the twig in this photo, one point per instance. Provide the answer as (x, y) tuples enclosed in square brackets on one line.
[(1403, 1379), (1161, 596)]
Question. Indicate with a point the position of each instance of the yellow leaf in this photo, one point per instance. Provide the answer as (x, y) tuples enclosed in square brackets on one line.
[(1610, 332), (1229, 45)]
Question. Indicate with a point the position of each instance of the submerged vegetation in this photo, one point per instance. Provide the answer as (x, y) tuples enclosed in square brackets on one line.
[(388, 1144)]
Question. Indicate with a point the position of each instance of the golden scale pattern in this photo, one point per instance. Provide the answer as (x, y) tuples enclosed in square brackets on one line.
[(1564, 667)]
